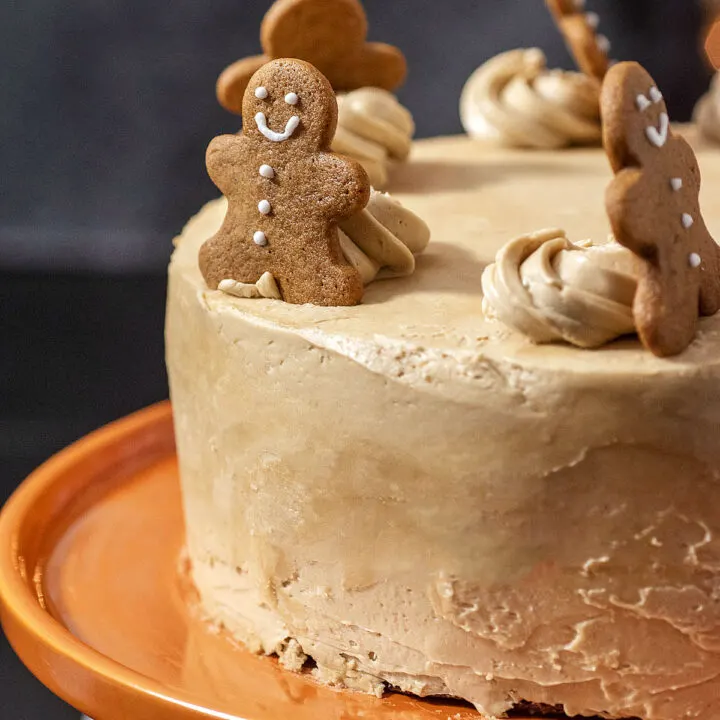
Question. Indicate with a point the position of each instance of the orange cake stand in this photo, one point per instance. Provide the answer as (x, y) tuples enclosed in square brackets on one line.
[(94, 601)]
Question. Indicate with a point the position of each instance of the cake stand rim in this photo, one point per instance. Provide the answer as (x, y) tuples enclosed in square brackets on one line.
[(60, 491), (70, 668)]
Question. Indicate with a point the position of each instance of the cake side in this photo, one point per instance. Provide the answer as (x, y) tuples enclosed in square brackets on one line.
[(411, 494)]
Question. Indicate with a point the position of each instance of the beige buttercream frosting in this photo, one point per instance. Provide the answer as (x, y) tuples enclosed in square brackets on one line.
[(374, 129), (420, 498), (513, 99), (551, 289), (265, 287), (383, 239), (707, 112)]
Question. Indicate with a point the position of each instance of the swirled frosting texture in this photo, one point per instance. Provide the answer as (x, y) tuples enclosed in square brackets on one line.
[(551, 289), (515, 100), (380, 242), (374, 129), (707, 112), (383, 239)]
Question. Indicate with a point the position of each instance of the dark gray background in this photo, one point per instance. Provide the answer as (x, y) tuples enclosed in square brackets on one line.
[(106, 107)]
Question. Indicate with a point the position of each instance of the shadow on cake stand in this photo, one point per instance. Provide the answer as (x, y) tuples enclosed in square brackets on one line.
[(93, 603)]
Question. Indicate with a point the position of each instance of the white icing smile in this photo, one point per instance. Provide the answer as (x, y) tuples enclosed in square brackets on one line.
[(292, 124), (659, 136)]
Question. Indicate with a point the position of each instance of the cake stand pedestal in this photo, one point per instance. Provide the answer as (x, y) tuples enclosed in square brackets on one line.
[(93, 600)]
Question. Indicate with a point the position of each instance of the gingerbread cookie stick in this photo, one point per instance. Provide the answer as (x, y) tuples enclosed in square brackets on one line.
[(654, 211), (286, 191), (579, 28), (330, 34)]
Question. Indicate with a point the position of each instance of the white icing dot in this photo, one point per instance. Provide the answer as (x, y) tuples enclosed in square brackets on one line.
[(603, 43), (642, 102), (264, 207), (261, 93), (655, 95), (676, 184), (267, 172), (687, 221), (593, 20), (292, 98), (695, 260), (259, 238)]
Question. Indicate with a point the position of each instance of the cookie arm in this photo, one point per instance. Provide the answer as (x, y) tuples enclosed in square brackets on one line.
[(379, 65), (224, 160), (632, 212), (351, 189)]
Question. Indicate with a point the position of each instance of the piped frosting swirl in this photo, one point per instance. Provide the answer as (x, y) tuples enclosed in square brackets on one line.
[(513, 99), (551, 289), (707, 112), (382, 240), (374, 129)]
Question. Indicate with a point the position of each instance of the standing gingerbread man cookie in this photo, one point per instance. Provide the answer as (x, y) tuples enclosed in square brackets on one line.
[(286, 191), (654, 211), (579, 28), (330, 34)]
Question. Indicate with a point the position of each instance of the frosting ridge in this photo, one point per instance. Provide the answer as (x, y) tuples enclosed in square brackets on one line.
[(383, 239), (374, 129), (515, 100), (551, 289)]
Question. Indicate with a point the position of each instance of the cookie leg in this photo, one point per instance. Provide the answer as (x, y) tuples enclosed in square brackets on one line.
[(332, 284), (666, 315)]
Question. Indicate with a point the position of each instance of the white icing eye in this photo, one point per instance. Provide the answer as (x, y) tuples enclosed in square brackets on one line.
[(292, 98), (261, 93), (642, 103)]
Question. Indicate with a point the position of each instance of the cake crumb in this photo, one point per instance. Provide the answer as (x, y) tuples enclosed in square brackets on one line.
[(292, 657)]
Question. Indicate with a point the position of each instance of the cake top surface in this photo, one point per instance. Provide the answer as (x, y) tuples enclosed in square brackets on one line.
[(474, 198)]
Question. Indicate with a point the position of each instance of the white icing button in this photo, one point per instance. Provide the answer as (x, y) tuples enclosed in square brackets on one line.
[(292, 98), (655, 94), (593, 20), (261, 93), (687, 221), (267, 172), (259, 238), (603, 43), (695, 260), (264, 207), (676, 184)]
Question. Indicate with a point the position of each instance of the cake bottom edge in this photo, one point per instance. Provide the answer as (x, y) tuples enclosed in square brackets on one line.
[(236, 607)]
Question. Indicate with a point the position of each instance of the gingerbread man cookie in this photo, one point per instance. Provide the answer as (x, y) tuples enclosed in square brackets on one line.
[(579, 28), (330, 34), (286, 191), (654, 211)]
